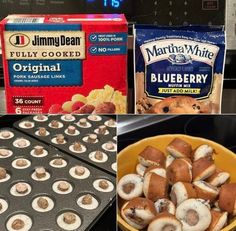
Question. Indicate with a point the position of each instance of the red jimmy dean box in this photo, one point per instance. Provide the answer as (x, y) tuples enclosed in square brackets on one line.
[(65, 63)]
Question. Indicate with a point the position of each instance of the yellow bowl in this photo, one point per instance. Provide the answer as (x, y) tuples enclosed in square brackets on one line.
[(128, 158)]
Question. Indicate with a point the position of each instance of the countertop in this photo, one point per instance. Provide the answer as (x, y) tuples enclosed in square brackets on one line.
[(229, 101)]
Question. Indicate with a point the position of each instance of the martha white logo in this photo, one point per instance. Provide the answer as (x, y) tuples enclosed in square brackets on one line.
[(179, 52)]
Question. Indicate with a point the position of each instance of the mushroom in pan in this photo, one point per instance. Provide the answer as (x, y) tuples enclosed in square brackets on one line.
[(140, 169), (130, 186), (60, 139), (83, 122), (63, 186), (42, 131), (206, 191), (38, 150), (18, 224), (3, 173), (179, 148), (111, 122), (98, 155), (227, 198), (203, 168), (28, 124), (182, 191), (77, 146), (79, 170), (69, 218), (194, 215), (110, 146), (138, 212), (92, 138), (21, 163), (42, 203), (180, 170), (71, 129), (40, 117), (87, 199), (103, 184), (156, 169), (102, 130), (58, 161), (202, 151), (5, 134), (218, 178), (155, 186), (169, 160), (54, 123), (151, 156), (40, 172), (21, 188), (218, 221), (4, 152), (165, 222), (21, 143), (165, 205)]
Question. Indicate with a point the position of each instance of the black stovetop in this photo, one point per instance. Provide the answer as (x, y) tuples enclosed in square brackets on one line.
[(219, 128)]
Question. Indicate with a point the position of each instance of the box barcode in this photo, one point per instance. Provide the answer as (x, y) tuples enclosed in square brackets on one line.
[(26, 20)]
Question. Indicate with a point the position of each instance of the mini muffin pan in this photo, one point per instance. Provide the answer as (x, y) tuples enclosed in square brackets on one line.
[(88, 149), (24, 205)]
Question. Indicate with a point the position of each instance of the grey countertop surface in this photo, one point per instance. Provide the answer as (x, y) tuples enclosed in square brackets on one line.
[(228, 105)]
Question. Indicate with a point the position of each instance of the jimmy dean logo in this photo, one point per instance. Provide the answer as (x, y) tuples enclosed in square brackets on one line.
[(19, 40), (163, 49), (45, 45), (56, 41)]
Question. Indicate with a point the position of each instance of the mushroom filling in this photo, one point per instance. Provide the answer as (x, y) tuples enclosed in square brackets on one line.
[(69, 218), (4, 152), (163, 207), (77, 146), (103, 184), (79, 170), (63, 186), (21, 163), (38, 150), (3, 173), (18, 224), (169, 228), (98, 155), (87, 199), (58, 161), (128, 188), (21, 188), (42, 131), (42, 203), (83, 122), (28, 124), (134, 217), (5, 134), (0, 206), (60, 139), (192, 217)]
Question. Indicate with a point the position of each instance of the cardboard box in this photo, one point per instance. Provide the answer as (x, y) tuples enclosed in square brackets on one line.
[(65, 63)]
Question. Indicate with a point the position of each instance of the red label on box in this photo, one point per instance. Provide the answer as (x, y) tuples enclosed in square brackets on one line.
[(65, 63)]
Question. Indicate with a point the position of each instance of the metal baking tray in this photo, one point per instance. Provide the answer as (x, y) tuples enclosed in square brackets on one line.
[(67, 202), (109, 165)]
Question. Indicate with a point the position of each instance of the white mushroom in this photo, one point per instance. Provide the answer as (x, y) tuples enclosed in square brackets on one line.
[(130, 186), (194, 215)]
